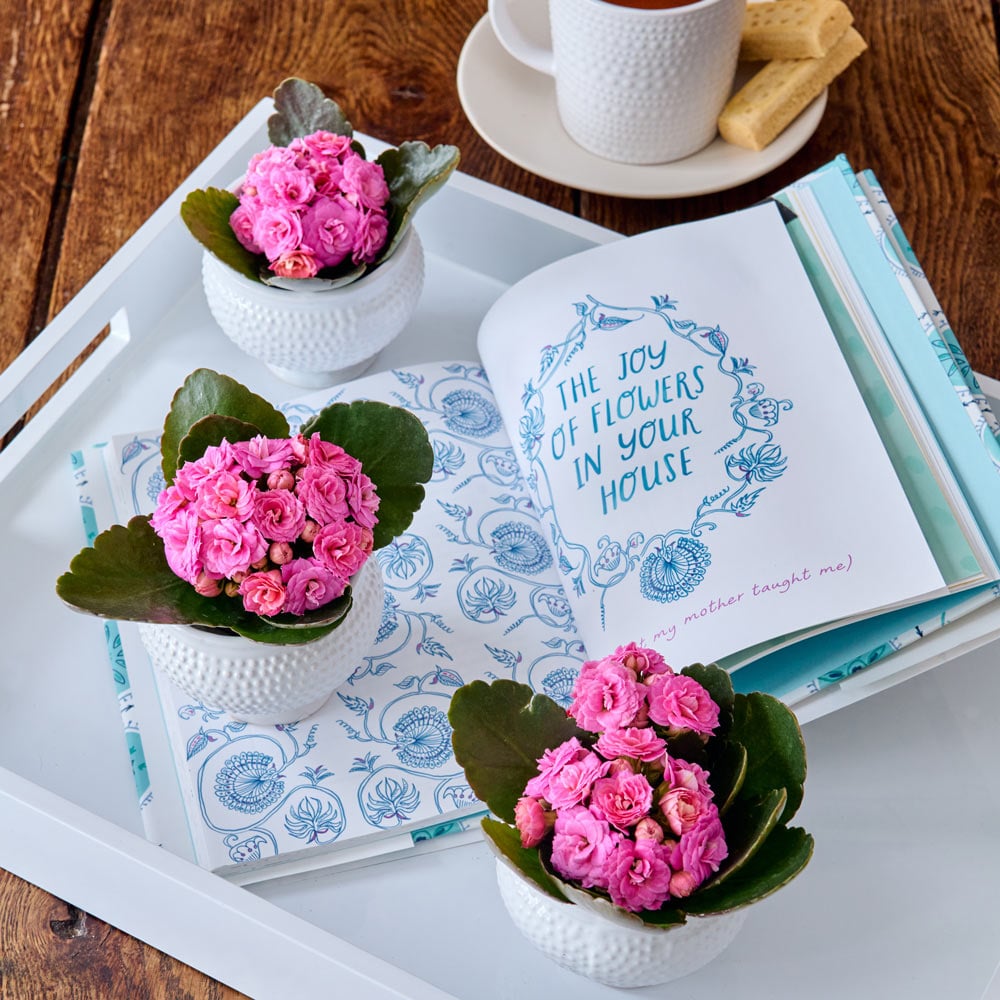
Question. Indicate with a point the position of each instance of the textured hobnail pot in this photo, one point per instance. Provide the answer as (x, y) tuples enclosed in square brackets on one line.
[(264, 683), (615, 953), (317, 338)]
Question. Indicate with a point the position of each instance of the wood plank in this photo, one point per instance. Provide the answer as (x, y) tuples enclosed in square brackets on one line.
[(929, 85), (41, 44), (53, 950)]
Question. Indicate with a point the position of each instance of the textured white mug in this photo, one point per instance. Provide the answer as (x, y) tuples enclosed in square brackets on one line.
[(633, 84)]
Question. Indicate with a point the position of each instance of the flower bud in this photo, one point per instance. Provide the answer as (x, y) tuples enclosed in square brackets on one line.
[(622, 764), (280, 553), (648, 829), (281, 480), (207, 586), (682, 884), (260, 563), (309, 531), (231, 588)]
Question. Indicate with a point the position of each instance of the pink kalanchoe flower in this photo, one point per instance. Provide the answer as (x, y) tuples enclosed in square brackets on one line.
[(324, 493), (622, 799), (679, 773), (364, 182), (168, 503), (291, 187), (638, 874), (572, 783), (263, 593), (551, 762), (229, 546), (321, 145), (242, 222), (225, 494), (277, 230), (702, 850), (329, 228), (362, 500), (301, 263), (606, 695), (683, 808), (279, 515), (532, 820), (582, 845), (680, 702), (369, 237), (217, 458), (181, 536), (332, 457), (639, 743), (207, 586), (262, 456), (309, 585), (343, 547), (641, 660)]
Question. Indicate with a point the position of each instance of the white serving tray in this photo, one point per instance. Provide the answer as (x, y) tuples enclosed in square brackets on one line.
[(433, 926)]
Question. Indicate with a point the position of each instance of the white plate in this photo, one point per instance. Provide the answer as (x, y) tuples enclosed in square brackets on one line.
[(514, 109)]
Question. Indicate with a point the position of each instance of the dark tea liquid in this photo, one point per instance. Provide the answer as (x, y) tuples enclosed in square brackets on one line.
[(651, 4)]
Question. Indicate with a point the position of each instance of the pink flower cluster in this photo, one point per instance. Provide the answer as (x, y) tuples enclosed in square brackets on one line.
[(311, 204), (625, 817), (281, 522)]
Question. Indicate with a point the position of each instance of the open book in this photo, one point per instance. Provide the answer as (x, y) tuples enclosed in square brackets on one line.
[(742, 440)]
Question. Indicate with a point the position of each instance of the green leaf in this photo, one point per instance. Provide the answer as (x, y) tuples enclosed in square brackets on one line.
[(506, 842), (727, 767), (206, 393), (776, 753), (499, 731), (782, 856), (392, 446), (206, 214), (209, 432), (332, 613), (301, 108), (125, 576), (413, 172), (748, 824)]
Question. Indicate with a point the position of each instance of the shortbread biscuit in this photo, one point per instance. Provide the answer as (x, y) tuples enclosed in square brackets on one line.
[(760, 110), (793, 29)]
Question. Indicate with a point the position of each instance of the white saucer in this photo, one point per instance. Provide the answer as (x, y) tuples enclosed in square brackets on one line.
[(514, 109)]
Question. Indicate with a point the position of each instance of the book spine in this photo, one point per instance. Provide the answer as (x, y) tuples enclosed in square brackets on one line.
[(88, 494)]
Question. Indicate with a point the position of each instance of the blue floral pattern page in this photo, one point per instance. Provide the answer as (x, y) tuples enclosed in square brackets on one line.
[(471, 592), (697, 450)]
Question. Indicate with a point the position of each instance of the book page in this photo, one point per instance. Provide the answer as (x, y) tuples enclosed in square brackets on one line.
[(704, 464), (471, 594)]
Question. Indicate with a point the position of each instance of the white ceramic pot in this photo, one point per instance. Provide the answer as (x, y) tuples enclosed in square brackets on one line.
[(317, 338), (617, 952), (260, 682)]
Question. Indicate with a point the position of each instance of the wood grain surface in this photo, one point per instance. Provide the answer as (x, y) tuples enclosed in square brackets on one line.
[(107, 105)]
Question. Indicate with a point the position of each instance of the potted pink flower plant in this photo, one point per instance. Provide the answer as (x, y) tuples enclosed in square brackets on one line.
[(659, 804), (311, 262)]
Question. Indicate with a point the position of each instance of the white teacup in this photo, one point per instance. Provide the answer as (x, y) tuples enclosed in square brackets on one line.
[(633, 84)]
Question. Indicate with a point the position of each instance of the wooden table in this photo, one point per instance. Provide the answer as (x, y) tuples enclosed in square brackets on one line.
[(106, 106)]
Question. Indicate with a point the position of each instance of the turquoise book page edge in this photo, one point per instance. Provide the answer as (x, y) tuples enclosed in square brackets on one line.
[(88, 491), (811, 665), (933, 318), (928, 379), (944, 535)]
